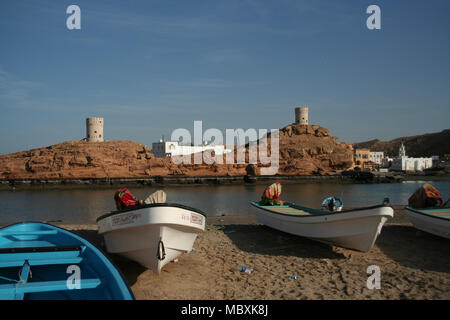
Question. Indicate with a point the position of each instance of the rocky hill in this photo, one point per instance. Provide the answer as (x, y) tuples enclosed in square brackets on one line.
[(310, 149), (425, 145), (304, 150)]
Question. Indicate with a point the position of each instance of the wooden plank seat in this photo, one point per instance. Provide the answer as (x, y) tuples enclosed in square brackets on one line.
[(286, 210)]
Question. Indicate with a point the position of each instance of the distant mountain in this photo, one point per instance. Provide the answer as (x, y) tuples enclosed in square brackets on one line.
[(425, 145)]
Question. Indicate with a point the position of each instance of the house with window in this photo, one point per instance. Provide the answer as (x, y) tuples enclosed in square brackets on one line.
[(362, 159)]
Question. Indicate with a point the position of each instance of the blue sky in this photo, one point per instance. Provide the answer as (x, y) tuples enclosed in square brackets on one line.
[(149, 67)]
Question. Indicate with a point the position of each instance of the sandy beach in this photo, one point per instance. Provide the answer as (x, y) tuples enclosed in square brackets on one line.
[(413, 265)]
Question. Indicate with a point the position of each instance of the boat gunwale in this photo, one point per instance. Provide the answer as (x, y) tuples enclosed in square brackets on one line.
[(417, 211), (87, 244), (310, 215), (153, 205), (40, 249)]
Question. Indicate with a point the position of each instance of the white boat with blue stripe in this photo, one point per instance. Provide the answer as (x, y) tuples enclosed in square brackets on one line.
[(353, 228)]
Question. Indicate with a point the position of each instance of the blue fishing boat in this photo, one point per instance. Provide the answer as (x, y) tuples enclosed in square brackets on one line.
[(41, 261)]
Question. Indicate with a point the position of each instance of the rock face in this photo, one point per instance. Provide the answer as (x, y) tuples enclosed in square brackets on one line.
[(309, 149), (77, 159), (304, 150)]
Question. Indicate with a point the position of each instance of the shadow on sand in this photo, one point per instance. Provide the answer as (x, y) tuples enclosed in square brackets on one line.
[(415, 249), (130, 270), (264, 240)]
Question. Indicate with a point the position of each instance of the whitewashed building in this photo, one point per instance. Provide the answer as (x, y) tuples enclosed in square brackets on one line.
[(411, 164), (163, 149), (405, 163), (376, 156)]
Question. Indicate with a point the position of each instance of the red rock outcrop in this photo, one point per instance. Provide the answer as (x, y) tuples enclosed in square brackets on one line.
[(310, 149), (304, 150)]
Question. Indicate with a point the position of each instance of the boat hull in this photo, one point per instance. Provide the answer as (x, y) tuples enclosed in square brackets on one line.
[(431, 224), (44, 262), (154, 235), (354, 229)]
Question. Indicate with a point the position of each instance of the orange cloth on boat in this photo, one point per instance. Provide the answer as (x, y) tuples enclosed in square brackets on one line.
[(271, 195), (425, 196)]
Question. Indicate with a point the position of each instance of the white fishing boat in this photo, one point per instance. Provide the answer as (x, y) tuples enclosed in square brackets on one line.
[(354, 228), (153, 234), (431, 220)]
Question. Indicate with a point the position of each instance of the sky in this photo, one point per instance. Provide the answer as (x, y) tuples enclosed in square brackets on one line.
[(150, 67)]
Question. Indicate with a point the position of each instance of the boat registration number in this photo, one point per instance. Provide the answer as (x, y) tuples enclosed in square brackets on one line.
[(196, 218), (125, 219)]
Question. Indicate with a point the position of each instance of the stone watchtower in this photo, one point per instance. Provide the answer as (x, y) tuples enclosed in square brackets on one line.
[(94, 130), (301, 115)]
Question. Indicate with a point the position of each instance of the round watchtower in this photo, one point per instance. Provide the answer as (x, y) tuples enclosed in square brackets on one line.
[(94, 130), (301, 115)]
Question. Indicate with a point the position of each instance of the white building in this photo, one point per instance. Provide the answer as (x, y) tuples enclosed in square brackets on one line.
[(411, 164), (163, 149), (376, 156), (405, 163)]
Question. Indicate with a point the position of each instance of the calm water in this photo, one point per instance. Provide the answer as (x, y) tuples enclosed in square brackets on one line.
[(84, 206)]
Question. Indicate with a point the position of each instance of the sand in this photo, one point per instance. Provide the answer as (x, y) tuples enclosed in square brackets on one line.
[(413, 265)]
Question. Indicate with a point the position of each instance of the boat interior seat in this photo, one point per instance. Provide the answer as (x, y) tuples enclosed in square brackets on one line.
[(29, 244), (27, 232), (17, 290), (287, 210), (47, 255), (26, 257)]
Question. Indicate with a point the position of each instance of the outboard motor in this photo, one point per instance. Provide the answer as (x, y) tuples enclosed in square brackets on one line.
[(332, 204)]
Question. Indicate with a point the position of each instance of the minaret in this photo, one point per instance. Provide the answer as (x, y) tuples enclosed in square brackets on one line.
[(402, 151)]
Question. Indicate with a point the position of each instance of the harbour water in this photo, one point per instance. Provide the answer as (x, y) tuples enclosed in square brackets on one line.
[(73, 206)]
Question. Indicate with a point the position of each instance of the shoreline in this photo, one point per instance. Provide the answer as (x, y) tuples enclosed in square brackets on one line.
[(413, 264), (10, 184), (236, 219)]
